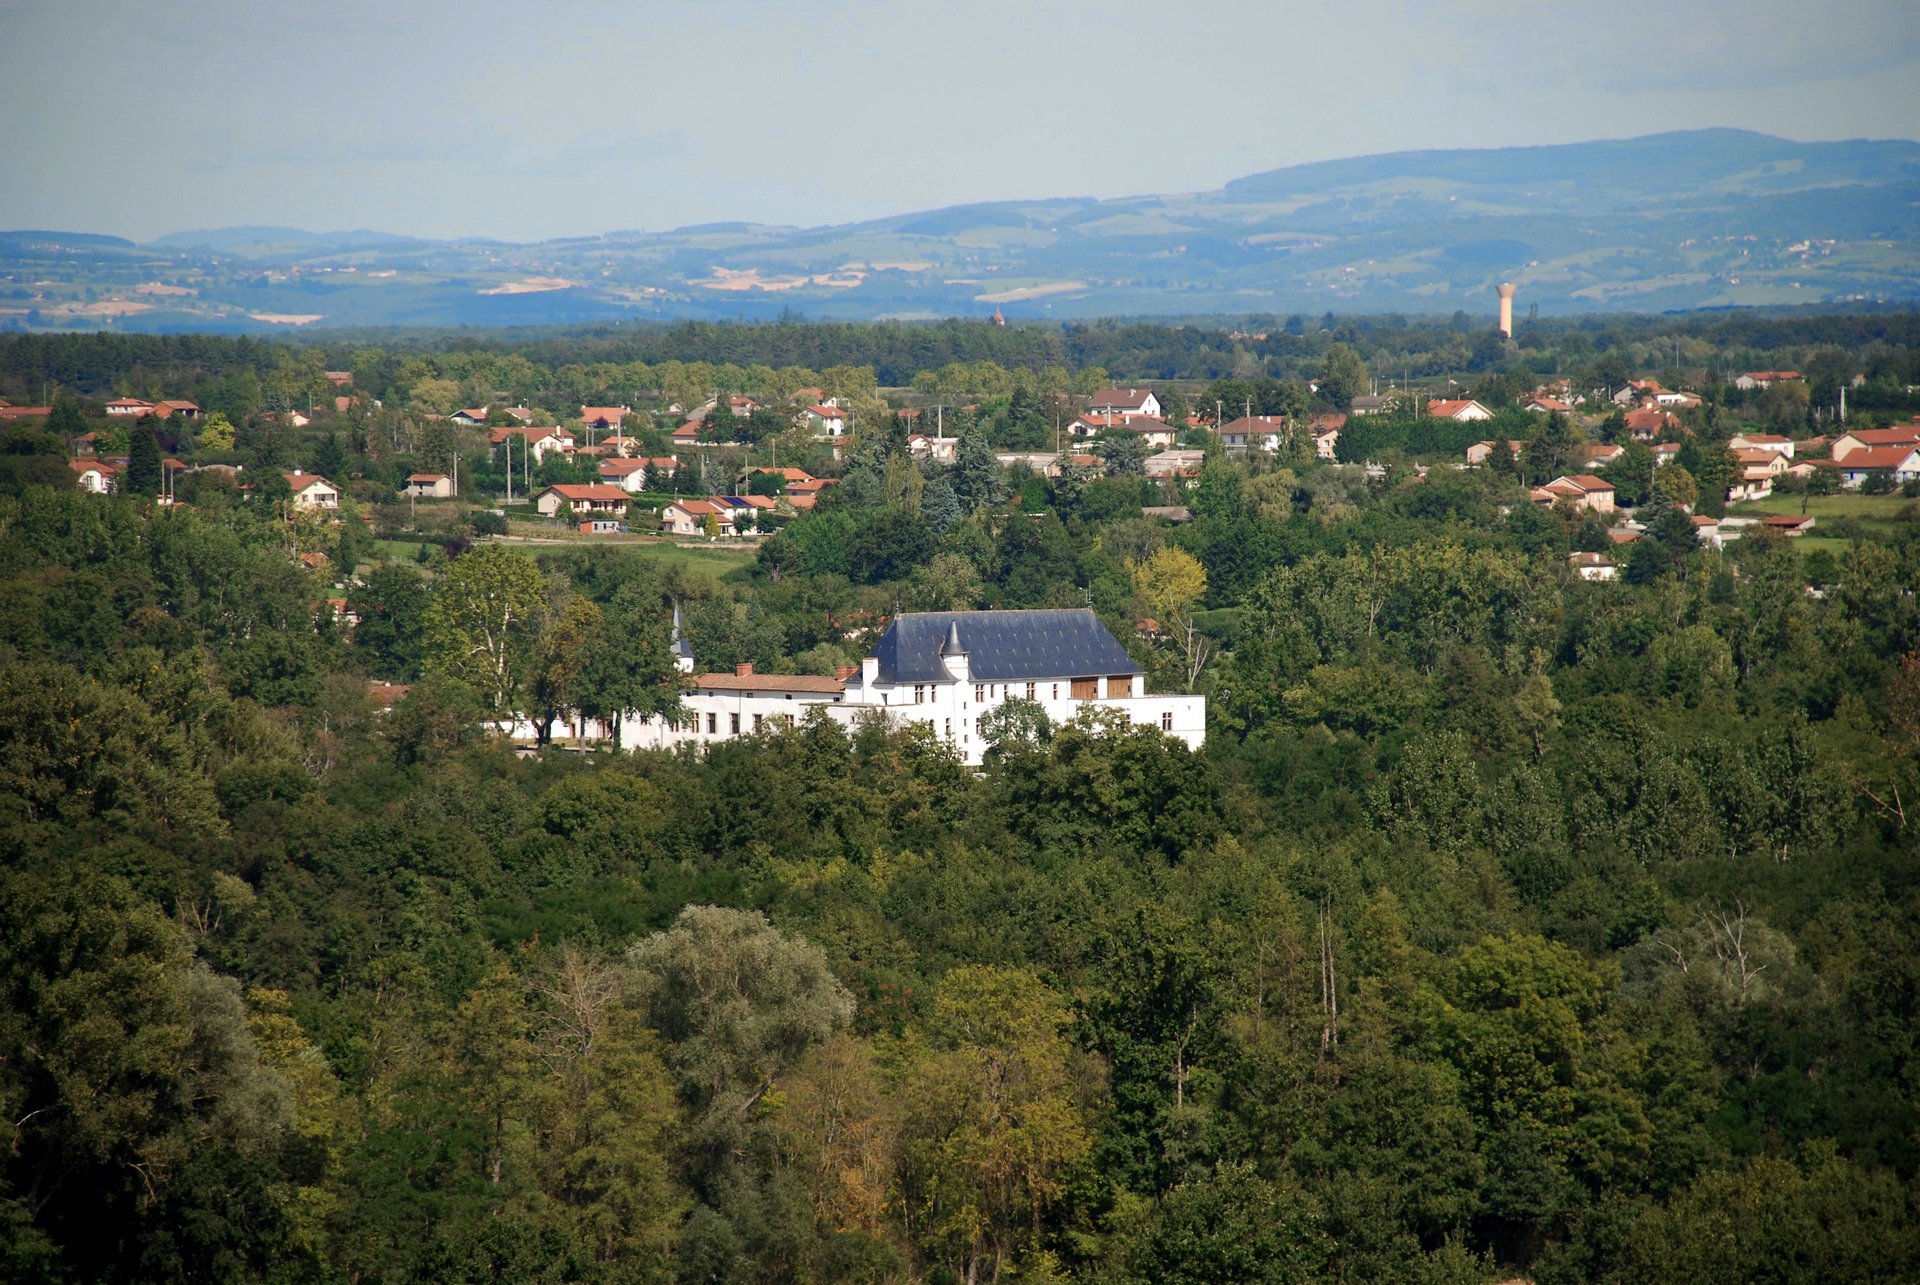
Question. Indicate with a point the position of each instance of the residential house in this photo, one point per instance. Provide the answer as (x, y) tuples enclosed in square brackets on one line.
[(741, 406), (1325, 442), (689, 517), (1372, 405), (469, 416), (1480, 452), (1707, 530), (1791, 525), (825, 421), (542, 442), (1664, 453), (1157, 433), (1582, 490), (631, 475), (1253, 433), (1762, 442), (1090, 424), (92, 476), (1900, 463), (183, 409), (131, 407), (790, 477), (1752, 379), (1596, 455), (1044, 463), (429, 486), (1543, 405), (1758, 469), (10, 413), (941, 450), (1592, 566), (590, 499), (804, 495), (602, 418), (1129, 403), (1447, 408), (1181, 464), (340, 378), (1860, 439), (311, 491), (1649, 392), (1648, 422), (602, 526)]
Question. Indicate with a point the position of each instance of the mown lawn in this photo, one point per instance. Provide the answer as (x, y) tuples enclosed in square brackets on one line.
[(1877, 508)]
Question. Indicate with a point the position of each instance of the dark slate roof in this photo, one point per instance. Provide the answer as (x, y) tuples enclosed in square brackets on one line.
[(1001, 646)]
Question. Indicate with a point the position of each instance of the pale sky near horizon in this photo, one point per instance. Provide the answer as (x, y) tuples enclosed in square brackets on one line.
[(524, 121)]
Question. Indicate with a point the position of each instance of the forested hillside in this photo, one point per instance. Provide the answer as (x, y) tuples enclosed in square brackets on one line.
[(1507, 924)]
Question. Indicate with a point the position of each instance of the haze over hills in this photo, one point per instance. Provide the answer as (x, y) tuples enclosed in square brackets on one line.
[(1708, 218)]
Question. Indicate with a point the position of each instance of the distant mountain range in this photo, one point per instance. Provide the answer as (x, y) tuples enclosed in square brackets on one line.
[(1701, 219)]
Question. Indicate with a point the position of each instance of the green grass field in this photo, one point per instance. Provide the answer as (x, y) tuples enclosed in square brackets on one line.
[(400, 550), (717, 558), (1875, 508)]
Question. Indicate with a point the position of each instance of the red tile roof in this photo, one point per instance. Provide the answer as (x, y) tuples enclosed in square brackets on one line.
[(1878, 457), (770, 683), (1124, 398), (1899, 435)]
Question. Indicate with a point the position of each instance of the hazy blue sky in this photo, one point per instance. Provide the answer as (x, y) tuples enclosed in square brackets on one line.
[(527, 120)]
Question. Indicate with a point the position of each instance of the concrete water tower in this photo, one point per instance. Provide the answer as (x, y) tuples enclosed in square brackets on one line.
[(1505, 290)]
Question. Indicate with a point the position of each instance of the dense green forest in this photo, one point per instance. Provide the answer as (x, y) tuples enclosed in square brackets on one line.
[(566, 366), (1508, 923)]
